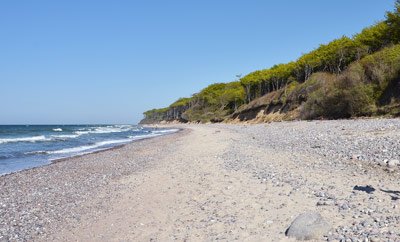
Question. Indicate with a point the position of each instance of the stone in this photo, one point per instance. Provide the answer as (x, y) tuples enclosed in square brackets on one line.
[(345, 206), (308, 226), (383, 162), (374, 239), (393, 163)]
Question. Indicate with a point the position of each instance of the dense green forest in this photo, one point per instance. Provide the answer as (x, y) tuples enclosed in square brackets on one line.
[(349, 77)]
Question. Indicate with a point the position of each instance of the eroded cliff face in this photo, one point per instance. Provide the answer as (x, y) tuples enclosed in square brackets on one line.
[(274, 106), (167, 115), (264, 109)]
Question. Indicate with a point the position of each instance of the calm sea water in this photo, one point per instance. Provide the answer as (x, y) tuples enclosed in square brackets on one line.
[(27, 146)]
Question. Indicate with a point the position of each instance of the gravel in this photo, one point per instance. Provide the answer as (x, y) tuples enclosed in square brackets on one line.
[(357, 148), (372, 141)]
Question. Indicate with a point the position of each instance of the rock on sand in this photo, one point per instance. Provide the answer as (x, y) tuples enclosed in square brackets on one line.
[(308, 226)]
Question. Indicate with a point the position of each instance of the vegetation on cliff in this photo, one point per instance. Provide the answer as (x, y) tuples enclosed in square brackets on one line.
[(348, 77)]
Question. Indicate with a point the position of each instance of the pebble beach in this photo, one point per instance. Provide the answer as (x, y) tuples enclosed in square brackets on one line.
[(216, 182)]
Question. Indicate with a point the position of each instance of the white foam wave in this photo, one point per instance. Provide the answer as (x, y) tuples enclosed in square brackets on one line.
[(110, 142), (107, 130), (144, 136), (85, 149), (82, 132), (25, 139), (154, 134), (57, 130), (89, 147), (165, 131), (40, 138), (65, 136), (73, 150)]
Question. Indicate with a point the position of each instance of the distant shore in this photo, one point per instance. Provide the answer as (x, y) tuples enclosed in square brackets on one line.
[(215, 182)]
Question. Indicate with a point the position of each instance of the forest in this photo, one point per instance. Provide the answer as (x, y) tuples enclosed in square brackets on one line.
[(349, 77)]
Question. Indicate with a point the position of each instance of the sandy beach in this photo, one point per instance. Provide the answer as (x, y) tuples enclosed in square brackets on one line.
[(216, 182)]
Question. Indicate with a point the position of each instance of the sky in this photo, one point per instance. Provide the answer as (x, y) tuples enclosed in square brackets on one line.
[(106, 62)]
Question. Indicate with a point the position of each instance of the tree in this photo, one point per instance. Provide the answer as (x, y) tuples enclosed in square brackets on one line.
[(374, 37), (393, 22)]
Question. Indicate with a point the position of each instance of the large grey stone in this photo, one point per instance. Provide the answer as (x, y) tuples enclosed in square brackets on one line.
[(308, 226)]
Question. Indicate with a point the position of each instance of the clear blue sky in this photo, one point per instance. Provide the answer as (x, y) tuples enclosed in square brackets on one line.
[(98, 61)]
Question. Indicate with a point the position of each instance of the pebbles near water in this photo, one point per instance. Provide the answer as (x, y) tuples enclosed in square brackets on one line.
[(38, 202)]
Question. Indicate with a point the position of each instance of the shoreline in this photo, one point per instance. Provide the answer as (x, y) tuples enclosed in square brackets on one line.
[(89, 153), (114, 147), (215, 182), (44, 199)]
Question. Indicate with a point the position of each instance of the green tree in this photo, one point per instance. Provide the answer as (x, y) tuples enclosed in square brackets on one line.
[(393, 21), (374, 37)]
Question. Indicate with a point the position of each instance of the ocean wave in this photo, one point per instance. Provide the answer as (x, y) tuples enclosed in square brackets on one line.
[(107, 130), (57, 130), (88, 147), (144, 136), (110, 142), (165, 131), (72, 150), (85, 149), (39, 152), (40, 138), (65, 136), (82, 132), (2, 157), (152, 134), (25, 139), (111, 129)]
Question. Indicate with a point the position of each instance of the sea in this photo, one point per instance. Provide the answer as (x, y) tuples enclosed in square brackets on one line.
[(27, 146)]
